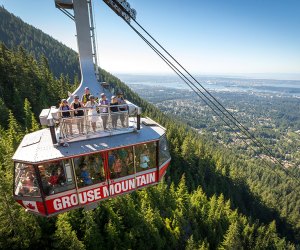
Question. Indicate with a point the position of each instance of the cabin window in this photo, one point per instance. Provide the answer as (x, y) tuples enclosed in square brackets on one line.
[(56, 177), (89, 170), (164, 154), (145, 156), (26, 183), (121, 162)]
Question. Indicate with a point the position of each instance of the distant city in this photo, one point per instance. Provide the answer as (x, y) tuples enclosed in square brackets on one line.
[(268, 108), (229, 84)]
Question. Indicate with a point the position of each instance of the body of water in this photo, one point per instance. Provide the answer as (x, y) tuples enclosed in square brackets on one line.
[(279, 87)]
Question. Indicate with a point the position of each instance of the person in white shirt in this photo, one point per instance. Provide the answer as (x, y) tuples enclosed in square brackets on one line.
[(92, 111)]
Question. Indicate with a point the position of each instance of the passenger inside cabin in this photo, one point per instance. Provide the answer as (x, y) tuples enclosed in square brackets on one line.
[(30, 178), (122, 154), (46, 184), (111, 159), (145, 159), (53, 178), (130, 163), (117, 167), (61, 178), (96, 167), (28, 183), (85, 176)]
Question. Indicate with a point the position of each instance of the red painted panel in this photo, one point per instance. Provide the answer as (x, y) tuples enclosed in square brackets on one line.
[(122, 186), (163, 169), (93, 194), (73, 200), (146, 179), (33, 206)]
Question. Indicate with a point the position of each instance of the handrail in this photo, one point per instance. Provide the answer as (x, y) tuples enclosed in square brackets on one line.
[(97, 107), (99, 121)]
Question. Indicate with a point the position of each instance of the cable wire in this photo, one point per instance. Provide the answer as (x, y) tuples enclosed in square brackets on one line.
[(192, 86), (213, 101)]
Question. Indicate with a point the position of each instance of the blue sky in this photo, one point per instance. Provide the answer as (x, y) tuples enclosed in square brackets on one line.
[(232, 37)]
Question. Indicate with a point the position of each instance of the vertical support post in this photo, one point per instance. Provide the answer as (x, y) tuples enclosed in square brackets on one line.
[(53, 135), (39, 180), (52, 130), (138, 117)]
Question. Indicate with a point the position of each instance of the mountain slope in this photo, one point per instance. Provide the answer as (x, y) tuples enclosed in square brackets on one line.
[(209, 200), (14, 33)]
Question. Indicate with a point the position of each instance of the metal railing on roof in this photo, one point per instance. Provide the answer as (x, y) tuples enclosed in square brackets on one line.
[(86, 121)]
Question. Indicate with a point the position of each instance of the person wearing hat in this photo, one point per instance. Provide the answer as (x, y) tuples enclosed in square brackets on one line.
[(114, 111), (92, 111), (86, 96), (104, 110), (66, 115), (122, 108), (77, 106)]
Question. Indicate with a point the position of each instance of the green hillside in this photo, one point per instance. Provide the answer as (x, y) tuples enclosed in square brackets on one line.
[(210, 199), (14, 33)]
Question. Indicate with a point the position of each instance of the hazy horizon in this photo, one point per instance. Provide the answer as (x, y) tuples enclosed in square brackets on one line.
[(254, 76)]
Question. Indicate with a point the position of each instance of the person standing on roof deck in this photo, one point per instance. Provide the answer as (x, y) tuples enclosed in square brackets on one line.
[(76, 104), (92, 112), (114, 111), (66, 115), (104, 110), (86, 96), (122, 108)]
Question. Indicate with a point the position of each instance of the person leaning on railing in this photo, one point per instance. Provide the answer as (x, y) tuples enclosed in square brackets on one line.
[(66, 115), (77, 106), (92, 111), (122, 102), (114, 109), (104, 110), (86, 96)]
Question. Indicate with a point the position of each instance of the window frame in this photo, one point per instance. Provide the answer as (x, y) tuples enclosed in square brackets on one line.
[(27, 197)]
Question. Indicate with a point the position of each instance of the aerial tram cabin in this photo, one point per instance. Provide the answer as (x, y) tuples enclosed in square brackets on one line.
[(50, 179), (79, 161)]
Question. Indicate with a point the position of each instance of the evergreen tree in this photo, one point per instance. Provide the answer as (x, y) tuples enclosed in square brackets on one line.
[(65, 236), (14, 133), (232, 238), (93, 238), (4, 114), (30, 122)]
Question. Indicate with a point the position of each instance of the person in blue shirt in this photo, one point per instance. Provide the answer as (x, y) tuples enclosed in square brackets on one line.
[(111, 159), (144, 160), (85, 176)]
